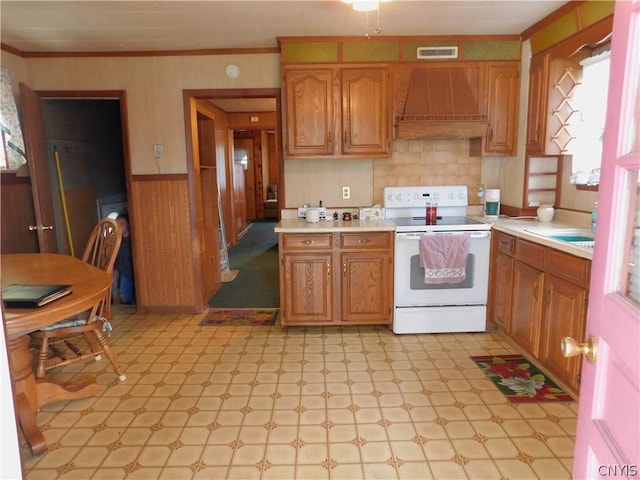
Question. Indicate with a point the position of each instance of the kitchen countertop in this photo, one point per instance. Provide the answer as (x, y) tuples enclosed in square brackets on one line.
[(293, 225), (519, 227), (513, 226)]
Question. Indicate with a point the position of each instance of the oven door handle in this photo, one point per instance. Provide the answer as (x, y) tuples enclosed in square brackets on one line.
[(415, 235)]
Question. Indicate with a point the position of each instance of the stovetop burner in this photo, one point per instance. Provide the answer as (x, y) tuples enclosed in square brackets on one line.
[(405, 207)]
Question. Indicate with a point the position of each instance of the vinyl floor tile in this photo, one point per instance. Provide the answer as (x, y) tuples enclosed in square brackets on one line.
[(272, 403)]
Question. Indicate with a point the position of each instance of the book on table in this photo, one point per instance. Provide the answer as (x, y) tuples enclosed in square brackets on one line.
[(32, 295)]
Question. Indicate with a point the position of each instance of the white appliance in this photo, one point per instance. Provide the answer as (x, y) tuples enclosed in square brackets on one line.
[(437, 308)]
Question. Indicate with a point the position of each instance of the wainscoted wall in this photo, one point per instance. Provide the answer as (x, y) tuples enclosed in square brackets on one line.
[(164, 245)]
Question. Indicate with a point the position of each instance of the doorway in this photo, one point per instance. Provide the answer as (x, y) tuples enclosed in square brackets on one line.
[(78, 153), (231, 184), (86, 166)]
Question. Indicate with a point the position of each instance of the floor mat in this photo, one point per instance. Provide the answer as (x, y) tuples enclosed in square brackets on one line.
[(250, 317), (229, 275), (520, 380)]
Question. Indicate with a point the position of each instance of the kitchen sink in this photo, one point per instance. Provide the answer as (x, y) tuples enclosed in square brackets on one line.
[(575, 236)]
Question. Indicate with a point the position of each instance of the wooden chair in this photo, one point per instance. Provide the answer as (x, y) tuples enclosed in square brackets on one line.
[(101, 251)]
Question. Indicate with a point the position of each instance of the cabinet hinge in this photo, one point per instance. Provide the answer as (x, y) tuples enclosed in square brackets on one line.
[(586, 303), (578, 378)]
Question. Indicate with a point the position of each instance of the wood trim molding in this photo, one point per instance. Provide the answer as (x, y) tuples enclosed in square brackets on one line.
[(9, 177), (142, 53), (587, 188), (510, 211), (154, 177)]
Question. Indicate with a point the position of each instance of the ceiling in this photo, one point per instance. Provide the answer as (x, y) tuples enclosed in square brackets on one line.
[(141, 26), (125, 26)]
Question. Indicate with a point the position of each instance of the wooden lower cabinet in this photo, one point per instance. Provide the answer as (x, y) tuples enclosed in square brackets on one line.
[(544, 300), (338, 278), (526, 310), (307, 288), (501, 278), (564, 314), (366, 290)]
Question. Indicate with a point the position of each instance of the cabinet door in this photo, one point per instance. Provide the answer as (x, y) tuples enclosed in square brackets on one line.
[(366, 287), (504, 90), (502, 291), (305, 288), (537, 105), (564, 315), (526, 311), (308, 119), (365, 111)]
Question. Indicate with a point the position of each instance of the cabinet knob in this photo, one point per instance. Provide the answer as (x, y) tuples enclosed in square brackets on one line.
[(40, 227), (364, 240), (308, 242), (571, 348)]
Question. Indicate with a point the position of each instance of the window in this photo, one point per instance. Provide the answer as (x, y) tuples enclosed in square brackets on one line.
[(587, 123), (12, 155)]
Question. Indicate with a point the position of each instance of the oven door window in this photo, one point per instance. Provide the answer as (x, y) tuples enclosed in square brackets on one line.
[(410, 289)]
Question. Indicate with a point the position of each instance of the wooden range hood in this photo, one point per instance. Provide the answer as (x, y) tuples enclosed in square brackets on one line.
[(440, 101)]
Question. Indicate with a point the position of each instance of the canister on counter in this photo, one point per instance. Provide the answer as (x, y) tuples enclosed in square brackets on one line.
[(431, 213)]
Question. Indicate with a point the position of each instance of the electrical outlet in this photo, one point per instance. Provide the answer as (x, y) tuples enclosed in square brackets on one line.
[(157, 150), (346, 193)]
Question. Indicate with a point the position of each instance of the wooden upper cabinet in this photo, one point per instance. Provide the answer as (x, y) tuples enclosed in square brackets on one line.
[(336, 111), (365, 111), (503, 96), (537, 104), (310, 112), (552, 83)]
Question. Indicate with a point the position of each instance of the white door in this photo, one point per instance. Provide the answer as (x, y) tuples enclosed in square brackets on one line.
[(608, 436)]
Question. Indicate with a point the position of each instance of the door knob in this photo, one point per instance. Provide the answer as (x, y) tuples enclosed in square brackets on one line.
[(40, 227), (571, 348)]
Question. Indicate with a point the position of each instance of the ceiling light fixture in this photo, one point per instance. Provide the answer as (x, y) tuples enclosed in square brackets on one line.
[(364, 5), (368, 6)]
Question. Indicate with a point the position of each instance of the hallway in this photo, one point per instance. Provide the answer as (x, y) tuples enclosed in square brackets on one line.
[(257, 283)]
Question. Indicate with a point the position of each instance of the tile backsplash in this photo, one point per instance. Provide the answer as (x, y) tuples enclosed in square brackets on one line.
[(413, 162), (428, 162)]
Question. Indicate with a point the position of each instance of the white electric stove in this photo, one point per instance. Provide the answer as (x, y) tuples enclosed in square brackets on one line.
[(446, 307)]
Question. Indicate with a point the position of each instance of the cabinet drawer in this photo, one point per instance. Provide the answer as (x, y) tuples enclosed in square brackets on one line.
[(365, 240), (506, 243), (567, 266), (295, 241), (530, 253)]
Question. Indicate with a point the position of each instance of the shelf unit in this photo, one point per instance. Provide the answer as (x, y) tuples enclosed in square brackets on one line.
[(543, 176)]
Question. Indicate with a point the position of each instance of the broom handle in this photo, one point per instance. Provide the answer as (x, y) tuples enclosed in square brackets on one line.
[(63, 198)]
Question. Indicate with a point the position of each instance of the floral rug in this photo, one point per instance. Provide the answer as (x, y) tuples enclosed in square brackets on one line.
[(520, 380), (249, 317)]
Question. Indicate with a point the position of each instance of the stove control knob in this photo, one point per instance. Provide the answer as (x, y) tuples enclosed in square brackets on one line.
[(400, 197), (390, 197)]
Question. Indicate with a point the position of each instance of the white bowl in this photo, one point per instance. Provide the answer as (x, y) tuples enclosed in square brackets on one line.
[(545, 213)]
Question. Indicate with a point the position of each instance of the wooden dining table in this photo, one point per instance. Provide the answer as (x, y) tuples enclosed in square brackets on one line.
[(89, 285)]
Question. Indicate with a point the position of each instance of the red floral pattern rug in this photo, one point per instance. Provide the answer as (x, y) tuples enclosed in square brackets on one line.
[(246, 317), (520, 380)]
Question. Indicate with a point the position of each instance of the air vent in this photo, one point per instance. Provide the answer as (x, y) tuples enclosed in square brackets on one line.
[(430, 53)]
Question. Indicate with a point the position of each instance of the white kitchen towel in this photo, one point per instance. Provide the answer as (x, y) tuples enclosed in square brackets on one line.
[(444, 258)]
